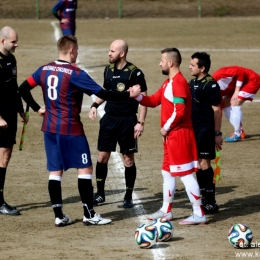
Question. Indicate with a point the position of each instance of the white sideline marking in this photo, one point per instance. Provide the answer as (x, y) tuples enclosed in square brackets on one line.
[(116, 159), (92, 48)]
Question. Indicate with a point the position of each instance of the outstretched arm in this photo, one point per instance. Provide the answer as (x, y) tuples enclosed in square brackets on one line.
[(149, 101), (116, 96), (111, 96)]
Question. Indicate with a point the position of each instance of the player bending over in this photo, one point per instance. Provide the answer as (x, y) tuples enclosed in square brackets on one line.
[(237, 85)]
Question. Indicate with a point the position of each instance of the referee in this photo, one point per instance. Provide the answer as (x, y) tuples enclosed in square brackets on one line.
[(206, 119), (119, 124), (10, 105)]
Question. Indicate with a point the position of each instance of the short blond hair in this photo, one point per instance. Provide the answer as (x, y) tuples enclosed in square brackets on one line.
[(66, 42)]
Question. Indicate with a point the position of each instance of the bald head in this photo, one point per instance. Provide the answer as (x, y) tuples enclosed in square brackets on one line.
[(117, 53), (8, 40), (120, 45), (7, 32)]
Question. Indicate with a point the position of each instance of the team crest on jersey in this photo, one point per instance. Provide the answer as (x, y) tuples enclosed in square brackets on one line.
[(14, 70), (120, 87)]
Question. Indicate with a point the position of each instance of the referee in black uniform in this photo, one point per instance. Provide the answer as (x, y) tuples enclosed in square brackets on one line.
[(10, 105), (206, 119), (119, 124)]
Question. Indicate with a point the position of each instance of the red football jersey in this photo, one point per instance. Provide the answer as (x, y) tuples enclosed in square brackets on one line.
[(176, 87), (180, 153), (231, 76)]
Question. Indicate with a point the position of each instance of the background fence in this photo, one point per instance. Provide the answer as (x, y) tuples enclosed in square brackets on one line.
[(26, 9)]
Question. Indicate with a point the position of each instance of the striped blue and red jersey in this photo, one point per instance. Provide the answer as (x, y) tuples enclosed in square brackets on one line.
[(63, 86), (66, 9)]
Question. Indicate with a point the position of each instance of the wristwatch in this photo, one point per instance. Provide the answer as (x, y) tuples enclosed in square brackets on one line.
[(218, 133), (141, 123)]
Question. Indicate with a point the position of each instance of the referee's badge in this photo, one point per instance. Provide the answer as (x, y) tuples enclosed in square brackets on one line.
[(120, 87)]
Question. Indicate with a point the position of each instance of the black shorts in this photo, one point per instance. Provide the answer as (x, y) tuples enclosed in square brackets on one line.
[(119, 130), (8, 135), (205, 139)]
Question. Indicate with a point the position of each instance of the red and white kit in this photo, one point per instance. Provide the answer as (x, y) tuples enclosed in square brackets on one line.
[(231, 77), (180, 153)]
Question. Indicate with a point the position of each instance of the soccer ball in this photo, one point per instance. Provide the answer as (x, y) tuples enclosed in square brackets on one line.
[(164, 229), (240, 236), (146, 236)]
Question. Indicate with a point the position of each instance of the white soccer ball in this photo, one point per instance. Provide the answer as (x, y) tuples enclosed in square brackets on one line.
[(240, 236), (146, 236), (164, 229)]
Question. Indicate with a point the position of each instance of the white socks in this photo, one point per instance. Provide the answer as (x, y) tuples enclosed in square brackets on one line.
[(193, 192), (234, 116), (192, 189), (236, 119), (227, 112), (169, 187)]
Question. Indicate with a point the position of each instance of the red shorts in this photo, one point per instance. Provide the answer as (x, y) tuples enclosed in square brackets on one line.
[(247, 91), (180, 152)]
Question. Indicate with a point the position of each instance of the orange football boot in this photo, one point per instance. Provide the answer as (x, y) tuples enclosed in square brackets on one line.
[(242, 134)]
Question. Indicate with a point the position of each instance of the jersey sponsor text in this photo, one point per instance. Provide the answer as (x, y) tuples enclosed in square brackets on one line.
[(60, 69)]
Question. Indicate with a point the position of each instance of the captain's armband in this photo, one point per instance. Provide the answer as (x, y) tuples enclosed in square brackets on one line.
[(178, 100)]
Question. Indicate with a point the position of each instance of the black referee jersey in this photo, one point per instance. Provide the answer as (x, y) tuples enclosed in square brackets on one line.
[(121, 81), (205, 94), (10, 101)]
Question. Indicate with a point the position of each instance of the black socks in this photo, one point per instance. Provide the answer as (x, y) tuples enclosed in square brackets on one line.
[(56, 197), (101, 175), (86, 194), (130, 176), (2, 184), (207, 187)]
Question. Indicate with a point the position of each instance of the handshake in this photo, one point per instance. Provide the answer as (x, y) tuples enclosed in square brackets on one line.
[(134, 91)]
